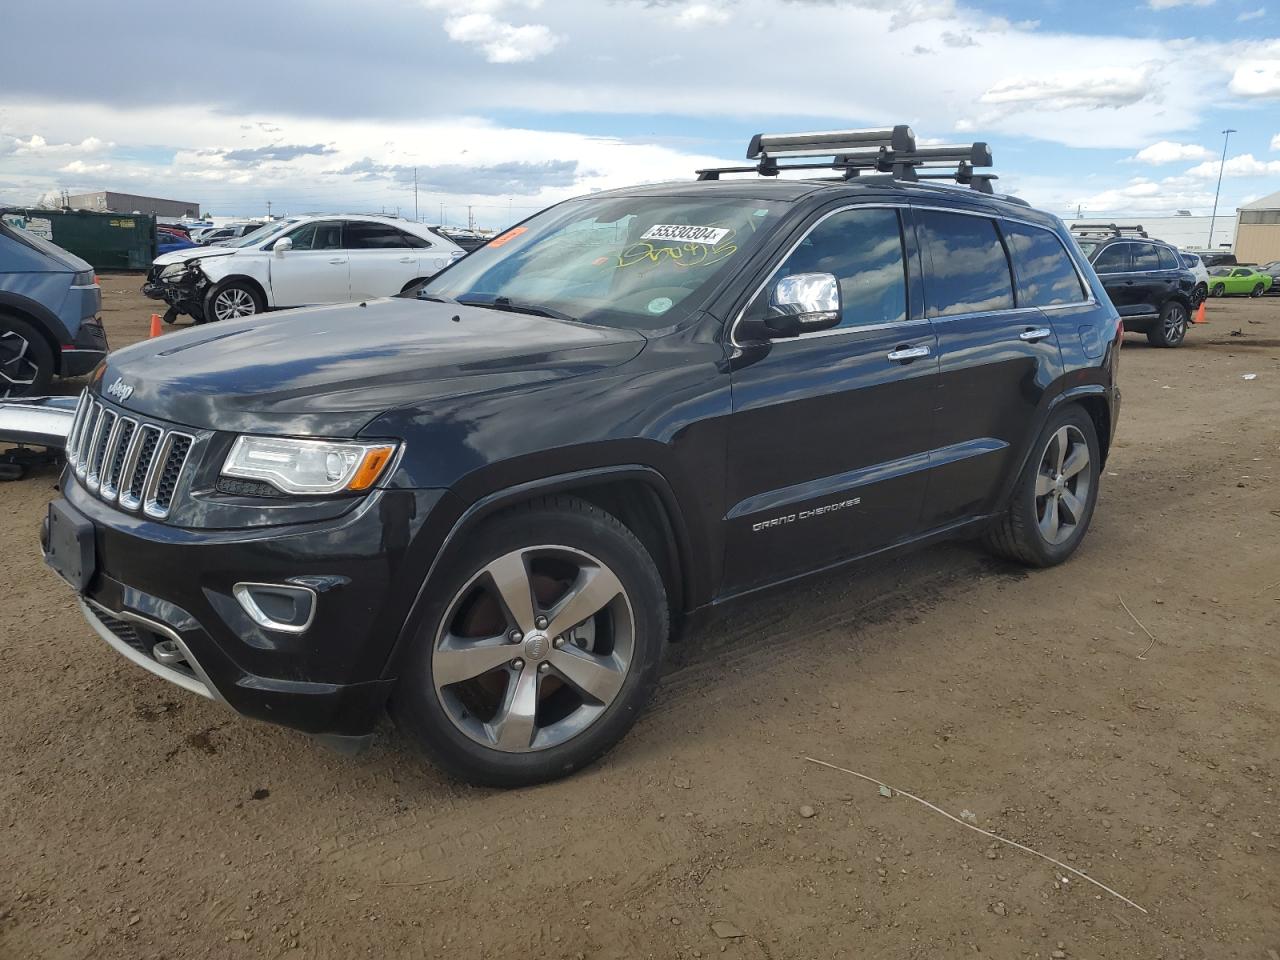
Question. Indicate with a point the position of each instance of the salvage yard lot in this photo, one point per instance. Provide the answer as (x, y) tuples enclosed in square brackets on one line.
[(139, 821)]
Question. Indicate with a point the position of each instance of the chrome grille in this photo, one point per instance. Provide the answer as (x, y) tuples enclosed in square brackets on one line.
[(125, 461)]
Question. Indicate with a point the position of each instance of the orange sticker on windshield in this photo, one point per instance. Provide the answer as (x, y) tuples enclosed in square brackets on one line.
[(508, 236)]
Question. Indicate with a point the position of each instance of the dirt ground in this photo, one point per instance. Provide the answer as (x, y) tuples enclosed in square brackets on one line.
[(139, 821)]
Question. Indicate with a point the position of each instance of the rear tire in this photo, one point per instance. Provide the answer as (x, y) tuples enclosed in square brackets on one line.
[(1218, 290), (233, 300), (1200, 294), (26, 360), (502, 702), (1171, 329), (1054, 498)]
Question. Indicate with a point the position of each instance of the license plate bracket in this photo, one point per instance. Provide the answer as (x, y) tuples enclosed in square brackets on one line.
[(70, 550)]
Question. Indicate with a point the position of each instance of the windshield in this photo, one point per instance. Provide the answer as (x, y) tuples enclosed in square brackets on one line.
[(1088, 246), (1190, 260), (257, 236), (1220, 272), (636, 262)]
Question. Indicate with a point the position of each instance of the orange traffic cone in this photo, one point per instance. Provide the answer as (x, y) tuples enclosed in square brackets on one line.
[(1200, 314), (155, 325)]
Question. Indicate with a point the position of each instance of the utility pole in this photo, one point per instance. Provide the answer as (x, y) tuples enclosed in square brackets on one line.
[(471, 220), (1226, 135), (268, 209), (415, 194), (442, 213)]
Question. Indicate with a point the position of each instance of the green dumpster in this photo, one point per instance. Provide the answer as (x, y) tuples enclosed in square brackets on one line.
[(109, 241)]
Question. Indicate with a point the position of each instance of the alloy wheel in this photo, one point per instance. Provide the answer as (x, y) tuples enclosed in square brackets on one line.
[(1063, 482), (1175, 324), (232, 303), (1257, 290), (18, 370), (533, 649)]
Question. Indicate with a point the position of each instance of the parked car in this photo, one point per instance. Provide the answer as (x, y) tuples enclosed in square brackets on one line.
[(50, 306), (468, 240), (1233, 281), (490, 507), (227, 233), (1148, 283), (298, 262), (1215, 258), (168, 242), (1193, 263), (1272, 270)]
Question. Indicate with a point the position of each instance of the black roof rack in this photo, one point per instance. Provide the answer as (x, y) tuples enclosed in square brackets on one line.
[(1102, 230), (853, 152)]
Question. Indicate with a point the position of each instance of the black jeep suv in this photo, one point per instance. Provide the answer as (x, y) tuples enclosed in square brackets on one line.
[(489, 505), (1147, 281)]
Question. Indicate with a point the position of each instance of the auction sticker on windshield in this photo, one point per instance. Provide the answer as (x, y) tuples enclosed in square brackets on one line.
[(675, 231)]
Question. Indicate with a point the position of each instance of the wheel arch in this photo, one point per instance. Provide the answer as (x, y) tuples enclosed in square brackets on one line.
[(638, 495), (42, 319), (250, 281)]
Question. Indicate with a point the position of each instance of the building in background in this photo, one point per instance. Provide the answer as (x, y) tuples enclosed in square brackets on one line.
[(106, 201), (1258, 230)]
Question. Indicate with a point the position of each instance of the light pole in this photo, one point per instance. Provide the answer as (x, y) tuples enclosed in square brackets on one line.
[(1226, 135)]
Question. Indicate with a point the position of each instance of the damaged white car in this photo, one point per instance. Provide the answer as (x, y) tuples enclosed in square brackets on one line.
[(298, 262)]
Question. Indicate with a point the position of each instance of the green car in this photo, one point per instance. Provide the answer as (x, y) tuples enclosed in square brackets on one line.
[(1230, 280)]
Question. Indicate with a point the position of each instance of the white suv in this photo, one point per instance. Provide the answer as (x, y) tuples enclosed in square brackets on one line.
[(298, 262)]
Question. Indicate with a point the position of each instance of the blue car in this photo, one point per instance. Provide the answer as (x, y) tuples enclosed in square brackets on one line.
[(50, 306), (169, 242)]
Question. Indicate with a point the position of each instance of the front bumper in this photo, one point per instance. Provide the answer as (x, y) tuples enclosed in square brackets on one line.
[(184, 293), (163, 597)]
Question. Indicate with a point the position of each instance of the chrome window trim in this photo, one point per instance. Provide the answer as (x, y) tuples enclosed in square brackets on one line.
[(1090, 301)]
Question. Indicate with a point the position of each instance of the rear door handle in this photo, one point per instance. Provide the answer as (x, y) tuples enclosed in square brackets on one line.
[(1032, 334), (907, 354), (408, 260), (338, 260)]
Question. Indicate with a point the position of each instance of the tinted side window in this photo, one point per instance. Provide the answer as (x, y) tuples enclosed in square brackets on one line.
[(1144, 256), (1168, 259), (413, 242), (863, 249), (966, 269), (362, 235), (1114, 259), (1046, 274)]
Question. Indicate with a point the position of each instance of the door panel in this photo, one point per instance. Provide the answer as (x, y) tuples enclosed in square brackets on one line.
[(382, 259), (828, 441), (995, 362), (314, 271)]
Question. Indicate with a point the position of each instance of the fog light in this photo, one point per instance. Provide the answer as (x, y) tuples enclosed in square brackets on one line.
[(277, 606)]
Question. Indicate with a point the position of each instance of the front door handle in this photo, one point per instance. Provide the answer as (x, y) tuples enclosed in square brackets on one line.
[(907, 354), (408, 260), (1034, 334), (338, 260)]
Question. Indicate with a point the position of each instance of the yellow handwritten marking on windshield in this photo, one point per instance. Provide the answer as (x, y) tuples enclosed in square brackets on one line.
[(682, 255)]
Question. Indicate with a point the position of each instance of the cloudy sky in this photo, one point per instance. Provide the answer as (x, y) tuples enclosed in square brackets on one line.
[(1113, 105)]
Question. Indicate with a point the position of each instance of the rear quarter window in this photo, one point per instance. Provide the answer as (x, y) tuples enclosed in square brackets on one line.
[(1046, 274), (966, 268)]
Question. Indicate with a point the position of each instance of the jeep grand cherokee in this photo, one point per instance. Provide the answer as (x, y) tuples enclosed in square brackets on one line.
[(488, 506)]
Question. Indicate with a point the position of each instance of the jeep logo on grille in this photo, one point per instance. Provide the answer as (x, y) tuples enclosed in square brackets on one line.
[(120, 390)]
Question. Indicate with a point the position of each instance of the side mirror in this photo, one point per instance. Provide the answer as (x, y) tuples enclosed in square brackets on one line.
[(282, 246), (803, 303)]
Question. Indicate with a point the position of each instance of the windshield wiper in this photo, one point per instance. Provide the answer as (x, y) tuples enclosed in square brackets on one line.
[(437, 297), (511, 306)]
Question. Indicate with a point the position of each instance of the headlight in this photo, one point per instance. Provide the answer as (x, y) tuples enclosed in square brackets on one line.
[(312, 467), (173, 271)]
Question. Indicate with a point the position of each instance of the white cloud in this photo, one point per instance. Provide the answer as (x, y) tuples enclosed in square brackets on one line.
[(501, 42), (79, 166), (701, 15), (1170, 4), (1247, 15), (1166, 151), (1257, 78), (1244, 165), (1090, 89), (1275, 142)]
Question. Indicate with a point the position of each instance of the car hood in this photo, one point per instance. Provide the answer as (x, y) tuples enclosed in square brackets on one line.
[(328, 371), (191, 253)]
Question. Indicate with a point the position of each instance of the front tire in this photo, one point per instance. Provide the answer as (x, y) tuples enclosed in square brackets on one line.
[(1171, 329), (1055, 496), (234, 300), (26, 361), (1218, 290), (540, 648), (1258, 290)]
